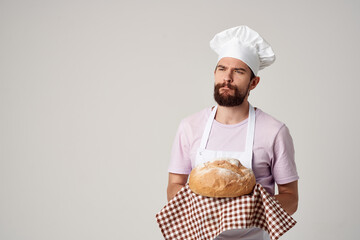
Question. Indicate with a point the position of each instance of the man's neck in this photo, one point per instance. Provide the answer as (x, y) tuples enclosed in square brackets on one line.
[(232, 115)]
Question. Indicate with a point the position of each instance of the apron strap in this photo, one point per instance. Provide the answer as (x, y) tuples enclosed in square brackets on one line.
[(206, 134), (250, 129), (250, 133)]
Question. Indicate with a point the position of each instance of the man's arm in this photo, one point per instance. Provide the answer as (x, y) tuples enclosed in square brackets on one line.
[(288, 196), (176, 182)]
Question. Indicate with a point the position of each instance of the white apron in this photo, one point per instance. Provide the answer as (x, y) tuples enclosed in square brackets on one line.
[(204, 155)]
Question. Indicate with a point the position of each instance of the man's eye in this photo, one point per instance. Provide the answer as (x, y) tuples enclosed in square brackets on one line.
[(221, 69), (241, 72)]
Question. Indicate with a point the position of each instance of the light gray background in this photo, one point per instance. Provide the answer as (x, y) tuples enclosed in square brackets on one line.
[(92, 92)]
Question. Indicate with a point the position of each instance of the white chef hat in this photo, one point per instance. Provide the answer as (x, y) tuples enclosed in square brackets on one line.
[(245, 44)]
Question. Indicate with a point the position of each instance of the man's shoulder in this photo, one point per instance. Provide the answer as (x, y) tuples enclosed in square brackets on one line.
[(268, 121)]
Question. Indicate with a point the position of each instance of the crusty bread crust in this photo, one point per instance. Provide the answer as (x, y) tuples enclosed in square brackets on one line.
[(224, 177)]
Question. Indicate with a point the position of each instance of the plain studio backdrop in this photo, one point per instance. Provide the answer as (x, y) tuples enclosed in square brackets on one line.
[(92, 92)]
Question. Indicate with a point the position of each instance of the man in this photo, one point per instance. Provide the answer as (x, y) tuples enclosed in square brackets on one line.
[(226, 128)]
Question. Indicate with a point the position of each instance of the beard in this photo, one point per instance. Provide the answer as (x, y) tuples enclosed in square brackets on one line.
[(228, 100)]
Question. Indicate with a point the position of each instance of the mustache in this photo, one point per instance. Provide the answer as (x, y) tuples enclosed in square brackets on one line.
[(228, 85)]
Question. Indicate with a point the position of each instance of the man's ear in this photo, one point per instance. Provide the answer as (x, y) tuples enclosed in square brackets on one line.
[(254, 82)]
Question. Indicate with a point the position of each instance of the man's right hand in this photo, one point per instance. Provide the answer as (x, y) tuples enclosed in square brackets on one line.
[(176, 182)]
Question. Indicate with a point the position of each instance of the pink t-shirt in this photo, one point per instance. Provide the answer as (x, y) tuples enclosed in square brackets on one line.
[(273, 150)]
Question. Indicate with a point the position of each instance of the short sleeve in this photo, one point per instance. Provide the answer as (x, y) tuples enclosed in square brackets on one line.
[(180, 162), (284, 167)]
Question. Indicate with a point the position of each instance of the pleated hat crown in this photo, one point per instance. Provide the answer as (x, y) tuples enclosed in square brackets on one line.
[(244, 44)]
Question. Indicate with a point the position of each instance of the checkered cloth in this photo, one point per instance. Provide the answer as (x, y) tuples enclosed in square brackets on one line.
[(191, 216)]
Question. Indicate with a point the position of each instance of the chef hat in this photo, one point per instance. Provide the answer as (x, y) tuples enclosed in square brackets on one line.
[(245, 44)]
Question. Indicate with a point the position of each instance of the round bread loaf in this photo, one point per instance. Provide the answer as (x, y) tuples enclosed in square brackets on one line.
[(224, 177)]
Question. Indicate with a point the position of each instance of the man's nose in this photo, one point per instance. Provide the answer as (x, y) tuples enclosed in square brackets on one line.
[(228, 76)]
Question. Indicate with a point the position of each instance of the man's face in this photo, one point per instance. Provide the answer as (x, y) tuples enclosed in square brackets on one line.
[(232, 82)]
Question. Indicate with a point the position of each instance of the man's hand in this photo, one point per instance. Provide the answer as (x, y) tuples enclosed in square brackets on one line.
[(288, 197), (176, 182)]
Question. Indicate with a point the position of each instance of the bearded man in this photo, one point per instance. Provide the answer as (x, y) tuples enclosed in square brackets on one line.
[(226, 128)]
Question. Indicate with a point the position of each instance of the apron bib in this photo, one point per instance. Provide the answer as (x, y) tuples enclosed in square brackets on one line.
[(204, 155)]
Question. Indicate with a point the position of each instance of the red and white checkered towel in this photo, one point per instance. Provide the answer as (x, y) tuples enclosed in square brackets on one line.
[(189, 216)]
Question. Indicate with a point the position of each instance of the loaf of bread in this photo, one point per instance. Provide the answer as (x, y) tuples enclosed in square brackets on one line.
[(224, 177)]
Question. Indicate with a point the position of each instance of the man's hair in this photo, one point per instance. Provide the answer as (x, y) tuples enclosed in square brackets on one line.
[(252, 74)]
